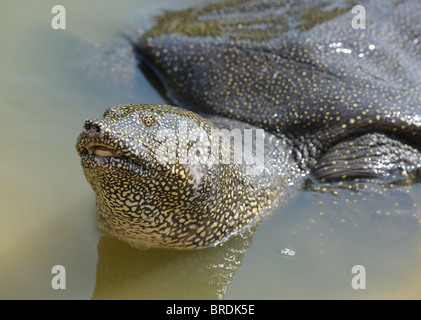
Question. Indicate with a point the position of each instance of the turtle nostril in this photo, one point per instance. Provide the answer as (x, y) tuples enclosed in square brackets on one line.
[(92, 129)]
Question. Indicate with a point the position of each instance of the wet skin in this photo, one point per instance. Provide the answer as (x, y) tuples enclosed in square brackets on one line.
[(336, 103)]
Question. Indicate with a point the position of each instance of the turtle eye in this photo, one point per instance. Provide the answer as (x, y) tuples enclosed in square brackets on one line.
[(148, 121)]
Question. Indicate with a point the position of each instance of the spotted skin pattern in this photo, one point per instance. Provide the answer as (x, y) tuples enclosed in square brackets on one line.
[(146, 201), (317, 83), (336, 102)]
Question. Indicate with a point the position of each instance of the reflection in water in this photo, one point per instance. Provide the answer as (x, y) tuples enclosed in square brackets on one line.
[(68, 239), (247, 19), (41, 175), (373, 223), (124, 272), (330, 230)]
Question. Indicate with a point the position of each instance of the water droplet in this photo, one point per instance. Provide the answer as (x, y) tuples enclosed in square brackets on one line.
[(141, 246), (287, 252)]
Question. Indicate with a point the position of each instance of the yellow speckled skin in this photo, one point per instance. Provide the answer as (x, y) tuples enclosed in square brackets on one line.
[(144, 201), (335, 102), (295, 67)]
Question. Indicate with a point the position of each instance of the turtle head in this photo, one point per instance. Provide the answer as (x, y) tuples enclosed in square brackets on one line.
[(155, 178)]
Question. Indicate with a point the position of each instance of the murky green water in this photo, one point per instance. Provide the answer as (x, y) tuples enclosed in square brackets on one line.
[(51, 81)]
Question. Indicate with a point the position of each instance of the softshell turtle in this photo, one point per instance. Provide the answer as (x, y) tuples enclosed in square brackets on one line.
[(335, 102)]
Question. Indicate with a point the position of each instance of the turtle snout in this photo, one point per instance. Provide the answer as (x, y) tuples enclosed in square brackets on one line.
[(93, 129)]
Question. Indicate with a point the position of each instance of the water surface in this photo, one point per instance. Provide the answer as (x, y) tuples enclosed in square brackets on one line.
[(52, 80)]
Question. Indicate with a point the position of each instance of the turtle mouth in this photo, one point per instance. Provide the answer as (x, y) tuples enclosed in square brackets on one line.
[(100, 155), (121, 154), (102, 150)]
